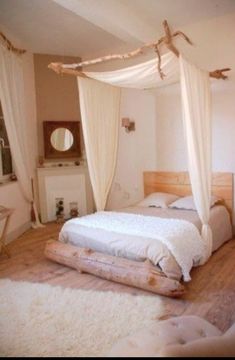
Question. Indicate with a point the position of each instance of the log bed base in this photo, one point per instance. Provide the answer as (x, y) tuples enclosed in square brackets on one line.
[(141, 275)]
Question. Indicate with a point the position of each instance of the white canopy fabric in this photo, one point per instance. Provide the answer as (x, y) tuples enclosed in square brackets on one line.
[(141, 76), (195, 91)]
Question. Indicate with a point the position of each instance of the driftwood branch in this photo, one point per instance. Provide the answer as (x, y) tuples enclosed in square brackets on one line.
[(167, 40), (125, 56), (180, 33), (160, 41), (59, 69), (138, 274), (218, 74), (10, 46)]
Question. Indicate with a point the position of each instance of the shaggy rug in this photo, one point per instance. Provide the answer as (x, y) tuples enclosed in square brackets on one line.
[(43, 320)]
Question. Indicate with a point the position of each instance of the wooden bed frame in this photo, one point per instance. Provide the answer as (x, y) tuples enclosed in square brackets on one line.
[(178, 183), (142, 275)]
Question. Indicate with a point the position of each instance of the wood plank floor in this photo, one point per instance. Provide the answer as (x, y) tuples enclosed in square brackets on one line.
[(210, 294)]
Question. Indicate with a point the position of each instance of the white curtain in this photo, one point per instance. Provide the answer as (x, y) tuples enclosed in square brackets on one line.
[(196, 101), (100, 105), (12, 100), (140, 76)]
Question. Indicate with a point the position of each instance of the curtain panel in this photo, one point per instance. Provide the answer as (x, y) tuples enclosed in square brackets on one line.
[(100, 106), (196, 106), (13, 106)]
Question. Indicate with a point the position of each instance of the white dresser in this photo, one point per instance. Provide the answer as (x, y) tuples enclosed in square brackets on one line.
[(71, 183)]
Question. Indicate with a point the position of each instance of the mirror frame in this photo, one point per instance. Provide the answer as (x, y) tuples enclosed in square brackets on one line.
[(49, 151)]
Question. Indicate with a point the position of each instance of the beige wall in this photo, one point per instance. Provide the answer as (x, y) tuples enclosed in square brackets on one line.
[(56, 95), (136, 149)]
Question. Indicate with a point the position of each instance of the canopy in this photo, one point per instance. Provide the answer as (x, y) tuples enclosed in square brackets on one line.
[(141, 76), (100, 112)]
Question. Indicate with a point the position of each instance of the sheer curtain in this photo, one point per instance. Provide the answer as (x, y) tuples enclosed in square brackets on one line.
[(100, 105), (12, 100), (141, 76), (196, 101)]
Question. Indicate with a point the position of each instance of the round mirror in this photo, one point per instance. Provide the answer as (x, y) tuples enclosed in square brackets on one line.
[(62, 139)]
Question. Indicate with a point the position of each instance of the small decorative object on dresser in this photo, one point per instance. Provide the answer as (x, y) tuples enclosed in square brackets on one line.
[(40, 161), (13, 177), (74, 209), (59, 210)]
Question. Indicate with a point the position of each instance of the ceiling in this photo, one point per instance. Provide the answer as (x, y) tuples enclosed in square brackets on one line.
[(94, 27)]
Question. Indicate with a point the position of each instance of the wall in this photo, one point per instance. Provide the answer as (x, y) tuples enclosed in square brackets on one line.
[(10, 194), (136, 150), (213, 50), (171, 154), (56, 96), (171, 151)]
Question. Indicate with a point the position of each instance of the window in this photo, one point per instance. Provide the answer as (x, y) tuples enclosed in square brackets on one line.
[(6, 168)]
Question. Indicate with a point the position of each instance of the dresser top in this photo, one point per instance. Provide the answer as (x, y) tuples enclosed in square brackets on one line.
[(61, 168)]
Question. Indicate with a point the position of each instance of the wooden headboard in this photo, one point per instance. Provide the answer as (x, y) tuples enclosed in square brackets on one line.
[(179, 183)]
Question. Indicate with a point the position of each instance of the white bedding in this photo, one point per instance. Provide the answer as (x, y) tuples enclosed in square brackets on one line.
[(181, 237), (132, 242)]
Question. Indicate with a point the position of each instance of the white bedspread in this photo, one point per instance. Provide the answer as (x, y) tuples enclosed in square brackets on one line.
[(181, 237)]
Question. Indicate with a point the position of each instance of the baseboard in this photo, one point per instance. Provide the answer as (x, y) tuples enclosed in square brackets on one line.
[(17, 232)]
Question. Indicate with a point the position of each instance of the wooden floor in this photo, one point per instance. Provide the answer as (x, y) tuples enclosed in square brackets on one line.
[(210, 294)]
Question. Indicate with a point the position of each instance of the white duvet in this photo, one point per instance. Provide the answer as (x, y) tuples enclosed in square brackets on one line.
[(181, 237)]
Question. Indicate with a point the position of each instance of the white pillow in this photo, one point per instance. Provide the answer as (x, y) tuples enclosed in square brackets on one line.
[(158, 199), (187, 203)]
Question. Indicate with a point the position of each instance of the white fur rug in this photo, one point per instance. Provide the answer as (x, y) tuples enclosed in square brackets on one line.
[(42, 320)]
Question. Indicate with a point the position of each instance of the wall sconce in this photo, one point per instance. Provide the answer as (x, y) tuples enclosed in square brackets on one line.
[(128, 125)]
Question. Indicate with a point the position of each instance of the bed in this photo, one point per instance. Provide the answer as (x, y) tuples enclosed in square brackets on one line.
[(131, 242), (138, 248)]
